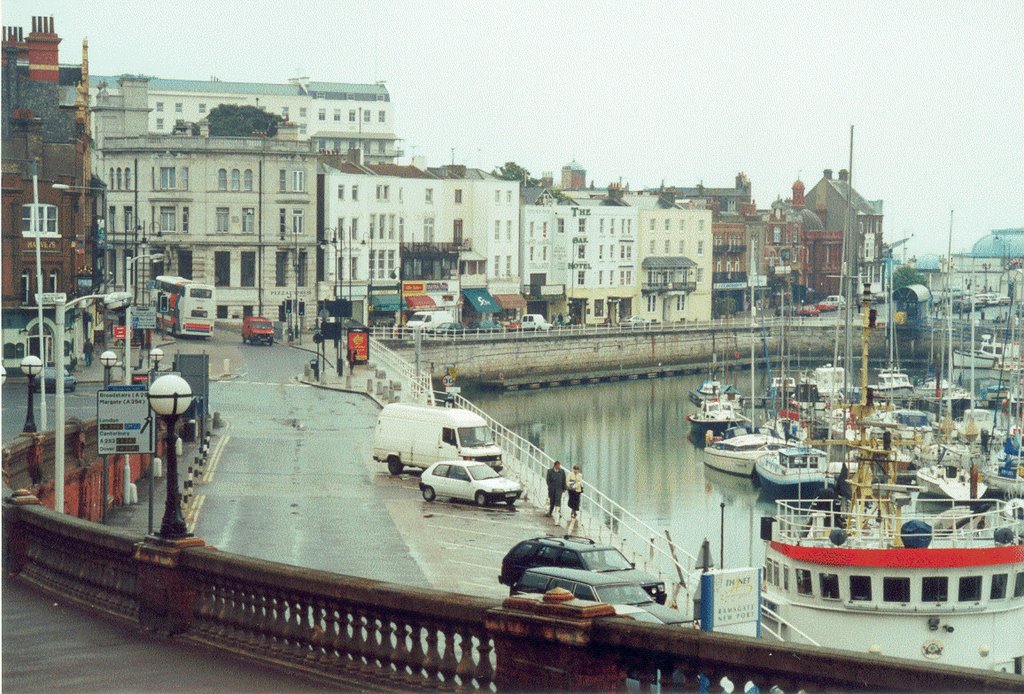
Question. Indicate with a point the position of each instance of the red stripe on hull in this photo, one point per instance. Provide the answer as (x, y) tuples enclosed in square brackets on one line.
[(942, 558)]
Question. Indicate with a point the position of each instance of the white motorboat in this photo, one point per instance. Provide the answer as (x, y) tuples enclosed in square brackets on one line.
[(738, 454), (874, 572), (892, 383), (987, 354), (793, 472), (949, 480), (715, 416), (903, 424)]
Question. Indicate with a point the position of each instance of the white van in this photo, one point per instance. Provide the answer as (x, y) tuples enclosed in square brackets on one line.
[(421, 435), (429, 320)]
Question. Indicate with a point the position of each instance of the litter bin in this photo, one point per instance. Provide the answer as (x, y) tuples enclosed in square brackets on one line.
[(314, 366)]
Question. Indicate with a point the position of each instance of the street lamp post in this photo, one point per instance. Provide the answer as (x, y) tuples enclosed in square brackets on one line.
[(169, 397), (31, 366), (128, 317), (155, 355), (108, 359)]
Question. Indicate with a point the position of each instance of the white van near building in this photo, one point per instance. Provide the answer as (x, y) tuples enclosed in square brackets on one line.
[(421, 435)]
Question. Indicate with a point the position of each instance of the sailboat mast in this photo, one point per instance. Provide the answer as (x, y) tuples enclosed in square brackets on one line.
[(949, 321), (849, 253)]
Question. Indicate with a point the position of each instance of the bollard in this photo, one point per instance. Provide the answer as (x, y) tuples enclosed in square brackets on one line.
[(369, 385), (157, 466), (217, 421), (133, 492), (127, 482), (198, 462), (188, 486)]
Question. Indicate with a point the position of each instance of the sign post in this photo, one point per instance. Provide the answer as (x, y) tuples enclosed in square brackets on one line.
[(124, 422), (730, 601)]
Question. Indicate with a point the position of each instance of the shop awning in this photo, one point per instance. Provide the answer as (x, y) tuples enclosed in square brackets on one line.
[(417, 302), (511, 302), (481, 300), (384, 302)]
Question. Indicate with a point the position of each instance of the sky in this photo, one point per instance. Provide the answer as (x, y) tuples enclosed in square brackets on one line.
[(642, 92)]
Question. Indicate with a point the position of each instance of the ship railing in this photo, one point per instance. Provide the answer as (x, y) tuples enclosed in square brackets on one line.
[(778, 619), (952, 524), (601, 518)]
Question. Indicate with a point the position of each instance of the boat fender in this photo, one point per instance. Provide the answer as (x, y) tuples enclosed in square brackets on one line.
[(837, 537), (1003, 536), (709, 436)]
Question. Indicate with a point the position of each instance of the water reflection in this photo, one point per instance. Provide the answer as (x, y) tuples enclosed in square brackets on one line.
[(631, 440)]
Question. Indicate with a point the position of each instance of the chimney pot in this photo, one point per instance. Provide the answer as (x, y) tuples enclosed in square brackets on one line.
[(843, 174), (828, 174)]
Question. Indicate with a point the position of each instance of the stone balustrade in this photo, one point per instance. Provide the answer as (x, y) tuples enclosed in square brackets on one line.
[(353, 633)]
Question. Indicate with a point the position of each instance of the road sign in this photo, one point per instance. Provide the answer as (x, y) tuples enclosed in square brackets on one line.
[(447, 381), (144, 317), (120, 332), (124, 421), (53, 297)]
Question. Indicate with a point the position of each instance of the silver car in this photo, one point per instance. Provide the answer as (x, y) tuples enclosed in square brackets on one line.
[(469, 480)]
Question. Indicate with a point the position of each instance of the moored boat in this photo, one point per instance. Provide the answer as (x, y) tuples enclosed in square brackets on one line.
[(737, 455), (715, 416), (792, 472)]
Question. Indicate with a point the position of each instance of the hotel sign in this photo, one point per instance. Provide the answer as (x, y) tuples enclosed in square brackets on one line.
[(45, 244)]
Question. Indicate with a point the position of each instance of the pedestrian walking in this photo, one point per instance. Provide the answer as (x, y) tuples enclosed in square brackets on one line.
[(556, 486), (87, 349), (575, 490)]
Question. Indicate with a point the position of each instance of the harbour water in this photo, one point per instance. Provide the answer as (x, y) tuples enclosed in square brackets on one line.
[(630, 439)]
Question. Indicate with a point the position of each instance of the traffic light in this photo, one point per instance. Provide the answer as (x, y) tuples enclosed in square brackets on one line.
[(302, 308), (287, 305)]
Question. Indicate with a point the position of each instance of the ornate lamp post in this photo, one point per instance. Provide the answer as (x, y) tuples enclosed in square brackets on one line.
[(108, 359), (31, 366), (169, 397), (155, 355)]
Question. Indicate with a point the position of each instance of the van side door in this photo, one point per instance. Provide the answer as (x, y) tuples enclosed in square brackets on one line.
[(448, 447)]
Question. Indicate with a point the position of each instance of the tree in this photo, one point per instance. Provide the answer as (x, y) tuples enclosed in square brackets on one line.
[(904, 276), (229, 120), (512, 171)]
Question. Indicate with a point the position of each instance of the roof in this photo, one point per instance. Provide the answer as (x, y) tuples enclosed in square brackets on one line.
[(1001, 243), (860, 204), (928, 263), (911, 293), (674, 261), (331, 90)]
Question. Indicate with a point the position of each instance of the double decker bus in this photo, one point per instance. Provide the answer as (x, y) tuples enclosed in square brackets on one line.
[(184, 307)]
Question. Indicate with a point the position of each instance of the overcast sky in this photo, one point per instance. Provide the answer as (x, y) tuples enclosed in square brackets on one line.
[(680, 92)]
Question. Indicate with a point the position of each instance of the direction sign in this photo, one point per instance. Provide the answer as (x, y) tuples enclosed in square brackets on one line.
[(124, 421), (52, 297), (120, 332), (144, 317)]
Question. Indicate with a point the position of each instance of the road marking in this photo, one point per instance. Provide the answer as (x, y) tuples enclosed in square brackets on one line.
[(456, 545), (236, 381), (467, 563), (192, 512), (464, 530), (215, 457)]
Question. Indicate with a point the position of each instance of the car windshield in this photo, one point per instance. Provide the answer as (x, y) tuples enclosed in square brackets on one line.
[(475, 436), (609, 559), (261, 324), (627, 594), (482, 472)]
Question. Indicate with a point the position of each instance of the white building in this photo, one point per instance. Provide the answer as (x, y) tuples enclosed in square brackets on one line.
[(417, 236), (237, 213), (335, 116)]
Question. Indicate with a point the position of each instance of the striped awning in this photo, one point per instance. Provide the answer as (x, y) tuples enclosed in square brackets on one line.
[(417, 302), (511, 302)]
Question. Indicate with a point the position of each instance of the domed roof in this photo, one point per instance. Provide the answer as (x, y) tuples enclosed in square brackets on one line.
[(929, 263), (799, 185), (810, 220), (1001, 243)]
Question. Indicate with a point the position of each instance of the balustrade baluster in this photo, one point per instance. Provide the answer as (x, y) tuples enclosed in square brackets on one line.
[(484, 674), (449, 663), (220, 628), (205, 610), (390, 666), (277, 622), (466, 665), (417, 655), (261, 616), (361, 634), (377, 658), (432, 656), (317, 630), (401, 656)]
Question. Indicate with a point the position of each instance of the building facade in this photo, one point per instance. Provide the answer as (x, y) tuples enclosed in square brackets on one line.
[(334, 116), (45, 131), (236, 213)]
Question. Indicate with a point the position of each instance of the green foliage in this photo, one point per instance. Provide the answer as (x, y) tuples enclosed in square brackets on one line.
[(229, 120), (512, 171), (904, 276)]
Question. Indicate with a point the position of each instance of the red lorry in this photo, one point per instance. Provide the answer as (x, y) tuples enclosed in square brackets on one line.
[(256, 329)]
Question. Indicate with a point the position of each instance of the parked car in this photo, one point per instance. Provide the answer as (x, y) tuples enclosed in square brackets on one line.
[(575, 552), (534, 321), (468, 480), (487, 326), (512, 324), (428, 321), (614, 589), (49, 378), (256, 329), (449, 330), (808, 310), (637, 322), (421, 435), (831, 303)]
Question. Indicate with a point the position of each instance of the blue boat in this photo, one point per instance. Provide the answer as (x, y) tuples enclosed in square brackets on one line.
[(797, 472)]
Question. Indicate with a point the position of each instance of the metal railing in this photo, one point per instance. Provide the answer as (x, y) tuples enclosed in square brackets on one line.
[(418, 386)]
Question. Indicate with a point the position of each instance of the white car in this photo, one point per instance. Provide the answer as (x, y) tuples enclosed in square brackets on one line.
[(469, 480), (534, 321), (637, 322)]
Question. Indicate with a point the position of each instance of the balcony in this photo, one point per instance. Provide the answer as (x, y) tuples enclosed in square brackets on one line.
[(729, 248), (544, 291), (663, 286), (434, 249)]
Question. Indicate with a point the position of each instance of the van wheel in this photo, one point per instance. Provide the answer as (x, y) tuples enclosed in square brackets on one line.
[(394, 465), (428, 494), (480, 499)]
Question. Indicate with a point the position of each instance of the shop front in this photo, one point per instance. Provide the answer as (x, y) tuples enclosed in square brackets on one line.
[(478, 304), (513, 306)]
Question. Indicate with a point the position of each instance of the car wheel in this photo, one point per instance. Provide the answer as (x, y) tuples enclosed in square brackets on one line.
[(428, 493), (510, 503), (394, 465), (480, 499)]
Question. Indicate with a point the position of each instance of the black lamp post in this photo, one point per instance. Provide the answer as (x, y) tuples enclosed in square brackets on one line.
[(169, 397), (108, 359), (31, 366)]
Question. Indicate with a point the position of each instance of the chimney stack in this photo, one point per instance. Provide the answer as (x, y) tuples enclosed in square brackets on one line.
[(828, 174), (843, 174), (42, 51)]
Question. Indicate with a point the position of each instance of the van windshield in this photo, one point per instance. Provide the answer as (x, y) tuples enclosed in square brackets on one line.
[(475, 436)]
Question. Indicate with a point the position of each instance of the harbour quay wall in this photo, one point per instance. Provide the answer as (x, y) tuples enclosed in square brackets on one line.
[(512, 356)]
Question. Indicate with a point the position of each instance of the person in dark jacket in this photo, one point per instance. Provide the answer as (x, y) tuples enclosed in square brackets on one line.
[(556, 486)]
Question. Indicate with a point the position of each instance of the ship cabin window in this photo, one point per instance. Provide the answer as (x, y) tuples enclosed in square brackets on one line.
[(803, 582), (1018, 586), (785, 577), (998, 590), (860, 588), (775, 573), (768, 563), (829, 586), (934, 589), (896, 589), (970, 588)]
